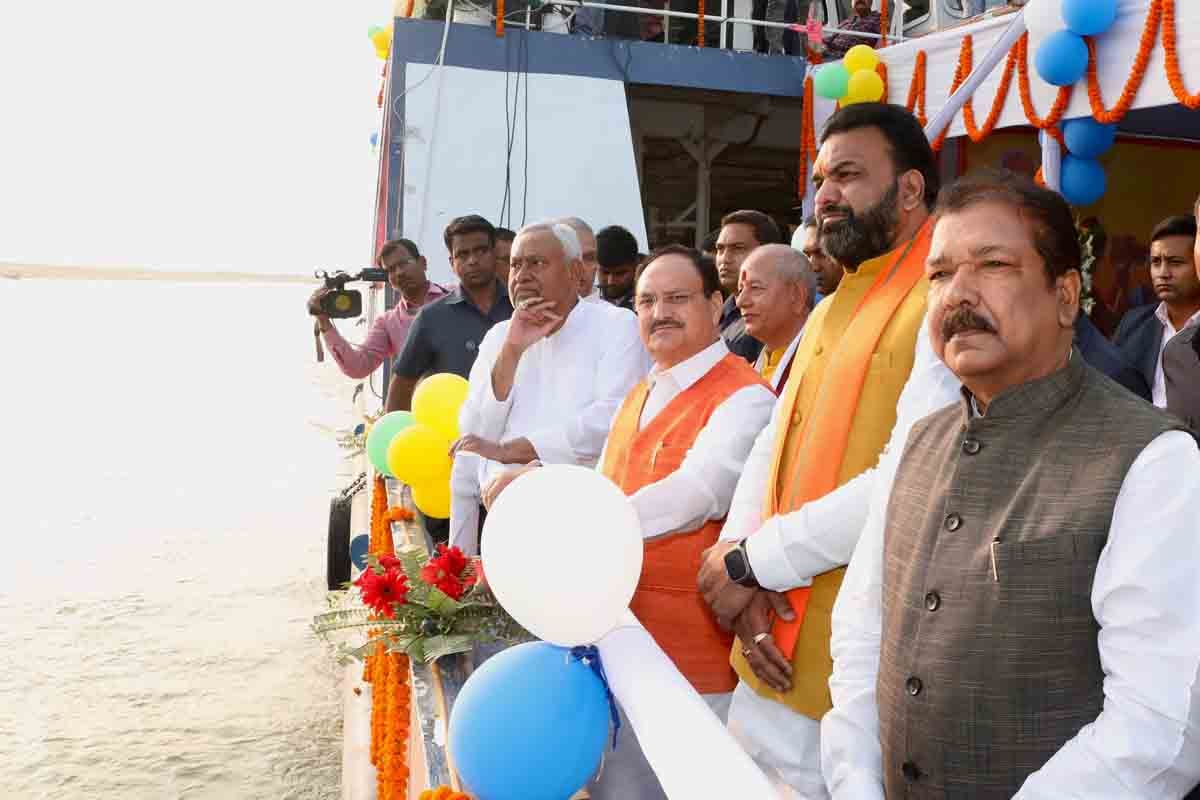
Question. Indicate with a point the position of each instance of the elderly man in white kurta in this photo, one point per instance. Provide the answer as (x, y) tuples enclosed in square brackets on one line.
[(547, 382)]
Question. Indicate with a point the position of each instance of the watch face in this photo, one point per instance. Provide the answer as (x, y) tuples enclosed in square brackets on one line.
[(735, 565)]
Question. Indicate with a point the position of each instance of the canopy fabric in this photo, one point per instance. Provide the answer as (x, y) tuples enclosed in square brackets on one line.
[(1116, 53)]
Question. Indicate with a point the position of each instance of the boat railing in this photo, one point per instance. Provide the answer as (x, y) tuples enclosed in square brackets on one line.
[(727, 19)]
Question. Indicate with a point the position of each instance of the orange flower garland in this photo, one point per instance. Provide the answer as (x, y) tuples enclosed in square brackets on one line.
[(883, 24), (443, 793), (1125, 102), (808, 138), (1060, 102), (700, 23), (499, 17), (388, 673), (1174, 76), (916, 89)]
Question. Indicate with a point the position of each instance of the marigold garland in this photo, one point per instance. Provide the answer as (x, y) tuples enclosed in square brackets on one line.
[(443, 793), (1136, 77), (388, 673), (499, 17), (916, 88), (808, 138), (700, 23), (883, 24), (1174, 75)]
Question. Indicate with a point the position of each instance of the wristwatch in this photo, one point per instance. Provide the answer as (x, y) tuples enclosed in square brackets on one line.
[(737, 567)]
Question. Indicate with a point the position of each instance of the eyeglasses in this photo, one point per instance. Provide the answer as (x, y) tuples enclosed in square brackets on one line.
[(646, 302)]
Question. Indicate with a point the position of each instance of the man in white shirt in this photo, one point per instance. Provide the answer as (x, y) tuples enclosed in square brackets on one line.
[(546, 382), (587, 258), (775, 294), (1145, 331), (1027, 623), (677, 447)]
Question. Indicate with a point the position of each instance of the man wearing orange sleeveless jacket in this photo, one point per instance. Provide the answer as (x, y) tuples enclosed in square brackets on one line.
[(677, 446), (877, 180)]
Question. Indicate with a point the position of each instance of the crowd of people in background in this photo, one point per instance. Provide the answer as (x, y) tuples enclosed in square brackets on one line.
[(913, 525)]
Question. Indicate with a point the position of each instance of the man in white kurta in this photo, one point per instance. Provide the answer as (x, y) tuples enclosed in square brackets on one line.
[(1008, 337), (546, 383)]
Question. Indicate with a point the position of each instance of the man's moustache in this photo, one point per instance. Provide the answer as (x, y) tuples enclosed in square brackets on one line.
[(964, 320), (664, 324)]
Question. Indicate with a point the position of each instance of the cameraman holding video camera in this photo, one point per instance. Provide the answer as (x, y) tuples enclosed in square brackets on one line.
[(405, 268)]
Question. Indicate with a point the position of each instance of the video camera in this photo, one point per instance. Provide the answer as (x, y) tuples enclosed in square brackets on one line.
[(342, 303)]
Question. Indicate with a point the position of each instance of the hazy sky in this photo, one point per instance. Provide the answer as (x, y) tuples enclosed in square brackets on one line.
[(217, 135)]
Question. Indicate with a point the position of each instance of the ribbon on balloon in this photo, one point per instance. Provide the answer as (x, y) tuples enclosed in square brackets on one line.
[(589, 656)]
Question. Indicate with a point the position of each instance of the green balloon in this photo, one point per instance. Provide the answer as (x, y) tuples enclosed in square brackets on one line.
[(371, 31), (832, 81), (381, 435)]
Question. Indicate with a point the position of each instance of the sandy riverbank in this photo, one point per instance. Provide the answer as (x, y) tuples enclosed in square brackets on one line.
[(47, 272)]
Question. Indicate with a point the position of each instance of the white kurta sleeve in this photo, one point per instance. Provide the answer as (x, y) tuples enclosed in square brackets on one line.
[(702, 488), (1146, 598), (580, 438), (482, 414), (464, 503), (790, 549), (746, 507)]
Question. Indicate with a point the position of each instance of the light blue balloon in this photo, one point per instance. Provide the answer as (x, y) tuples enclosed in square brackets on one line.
[(530, 724), (1062, 59), (1089, 17), (374, 139), (381, 435), (1083, 180), (1087, 138)]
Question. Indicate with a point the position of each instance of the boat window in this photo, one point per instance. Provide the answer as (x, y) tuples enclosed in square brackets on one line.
[(965, 9), (917, 11), (818, 5)]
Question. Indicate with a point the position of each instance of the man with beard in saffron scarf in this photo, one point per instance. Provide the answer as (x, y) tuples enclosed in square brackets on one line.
[(876, 180)]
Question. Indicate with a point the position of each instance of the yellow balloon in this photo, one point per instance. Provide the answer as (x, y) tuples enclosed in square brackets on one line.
[(432, 498), (436, 403), (865, 87), (419, 454), (861, 56)]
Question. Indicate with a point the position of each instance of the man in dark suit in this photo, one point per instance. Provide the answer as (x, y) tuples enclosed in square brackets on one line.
[(1181, 365), (1145, 331), (1104, 356)]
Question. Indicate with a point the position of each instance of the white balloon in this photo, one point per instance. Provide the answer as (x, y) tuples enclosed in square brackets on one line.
[(562, 551), (1043, 17)]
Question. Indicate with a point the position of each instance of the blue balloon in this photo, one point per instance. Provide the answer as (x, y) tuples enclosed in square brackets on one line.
[(1083, 180), (374, 139), (1089, 17), (1087, 138), (358, 551), (1062, 59), (530, 724)]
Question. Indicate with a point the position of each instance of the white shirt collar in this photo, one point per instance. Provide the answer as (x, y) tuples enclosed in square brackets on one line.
[(1165, 318), (687, 372)]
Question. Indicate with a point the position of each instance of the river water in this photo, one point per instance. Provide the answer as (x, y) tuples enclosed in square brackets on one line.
[(165, 485)]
